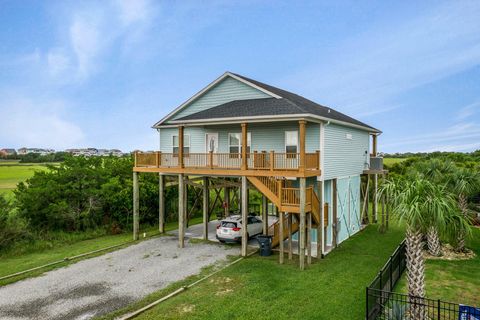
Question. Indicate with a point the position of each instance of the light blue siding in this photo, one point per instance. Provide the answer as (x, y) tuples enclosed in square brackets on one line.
[(327, 198), (225, 91), (342, 156), (264, 136), (348, 207), (197, 139), (312, 137)]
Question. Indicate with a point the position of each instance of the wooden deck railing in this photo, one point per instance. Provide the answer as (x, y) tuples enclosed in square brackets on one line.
[(255, 161)]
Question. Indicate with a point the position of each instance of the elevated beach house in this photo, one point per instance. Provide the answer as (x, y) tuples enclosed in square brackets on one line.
[(304, 158)]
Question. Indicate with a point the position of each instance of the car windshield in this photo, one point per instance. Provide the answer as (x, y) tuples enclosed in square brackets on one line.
[(228, 224)]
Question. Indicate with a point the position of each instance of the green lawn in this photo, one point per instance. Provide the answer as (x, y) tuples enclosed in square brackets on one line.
[(13, 263), (455, 281), (258, 287), (12, 172)]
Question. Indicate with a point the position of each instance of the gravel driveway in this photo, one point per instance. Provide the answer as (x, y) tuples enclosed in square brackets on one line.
[(102, 284)]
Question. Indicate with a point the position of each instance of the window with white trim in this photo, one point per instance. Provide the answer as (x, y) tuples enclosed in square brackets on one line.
[(235, 142), (186, 144), (291, 141)]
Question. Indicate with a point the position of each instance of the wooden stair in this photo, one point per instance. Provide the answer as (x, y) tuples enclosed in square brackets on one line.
[(287, 199), (274, 231)]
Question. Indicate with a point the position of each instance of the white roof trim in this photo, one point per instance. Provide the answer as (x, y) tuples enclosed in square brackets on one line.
[(212, 84), (290, 117)]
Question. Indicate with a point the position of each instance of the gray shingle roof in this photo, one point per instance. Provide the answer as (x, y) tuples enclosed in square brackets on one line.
[(289, 103)]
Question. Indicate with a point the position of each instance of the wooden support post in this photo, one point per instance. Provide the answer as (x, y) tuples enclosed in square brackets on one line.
[(161, 203), (210, 159), (185, 205), (365, 208), (157, 159), (309, 238), (290, 232), (375, 198), (301, 242), (320, 226), (244, 165), (180, 146), (181, 211), (301, 165), (281, 236), (334, 214), (244, 207), (374, 145), (280, 192), (206, 199), (226, 200), (272, 160), (264, 215), (136, 205)]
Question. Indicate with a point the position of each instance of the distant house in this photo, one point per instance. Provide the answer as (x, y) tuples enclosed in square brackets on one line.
[(41, 151), (93, 152), (305, 158), (7, 152)]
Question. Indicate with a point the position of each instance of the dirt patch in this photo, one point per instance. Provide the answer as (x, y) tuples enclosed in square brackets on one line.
[(448, 253), (186, 308)]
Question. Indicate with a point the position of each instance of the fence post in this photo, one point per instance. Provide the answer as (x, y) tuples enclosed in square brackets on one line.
[(272, 160), (438, 309), (366, 303), (210, 158), (280, 192), (391, 275), (380, 273)]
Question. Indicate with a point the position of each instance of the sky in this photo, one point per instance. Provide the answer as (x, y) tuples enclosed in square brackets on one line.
[(101, 73)]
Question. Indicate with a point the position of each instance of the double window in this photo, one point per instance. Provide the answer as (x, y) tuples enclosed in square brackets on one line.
[(235, 142), (186, 144), (291, 143)]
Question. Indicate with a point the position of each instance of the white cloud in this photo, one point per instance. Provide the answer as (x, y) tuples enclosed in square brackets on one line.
[(35, 123), (468, 111), (57, 61), (132, 11), (85, 41)]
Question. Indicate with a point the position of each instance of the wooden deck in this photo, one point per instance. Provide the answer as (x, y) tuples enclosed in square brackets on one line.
[(230, 164)]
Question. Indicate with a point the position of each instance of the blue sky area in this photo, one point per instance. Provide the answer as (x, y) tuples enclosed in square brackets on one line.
[(100, 73)]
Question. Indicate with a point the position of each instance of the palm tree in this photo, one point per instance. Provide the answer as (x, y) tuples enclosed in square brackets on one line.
[(464, 182), (420, 205), (437, 171)]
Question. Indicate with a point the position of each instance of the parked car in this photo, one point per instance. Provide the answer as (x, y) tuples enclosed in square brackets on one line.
[(230, 228)]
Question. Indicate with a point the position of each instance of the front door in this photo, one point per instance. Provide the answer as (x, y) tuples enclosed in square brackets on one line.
[(211, 142)]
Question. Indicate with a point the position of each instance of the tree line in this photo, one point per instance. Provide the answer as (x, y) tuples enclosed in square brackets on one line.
[(37, 158), (80, 194)]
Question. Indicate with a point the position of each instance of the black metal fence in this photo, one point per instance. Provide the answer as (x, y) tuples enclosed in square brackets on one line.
[(396, 306), (383, 304), (391, 272)]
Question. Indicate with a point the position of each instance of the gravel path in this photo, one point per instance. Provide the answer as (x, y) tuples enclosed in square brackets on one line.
[(102, 284)]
